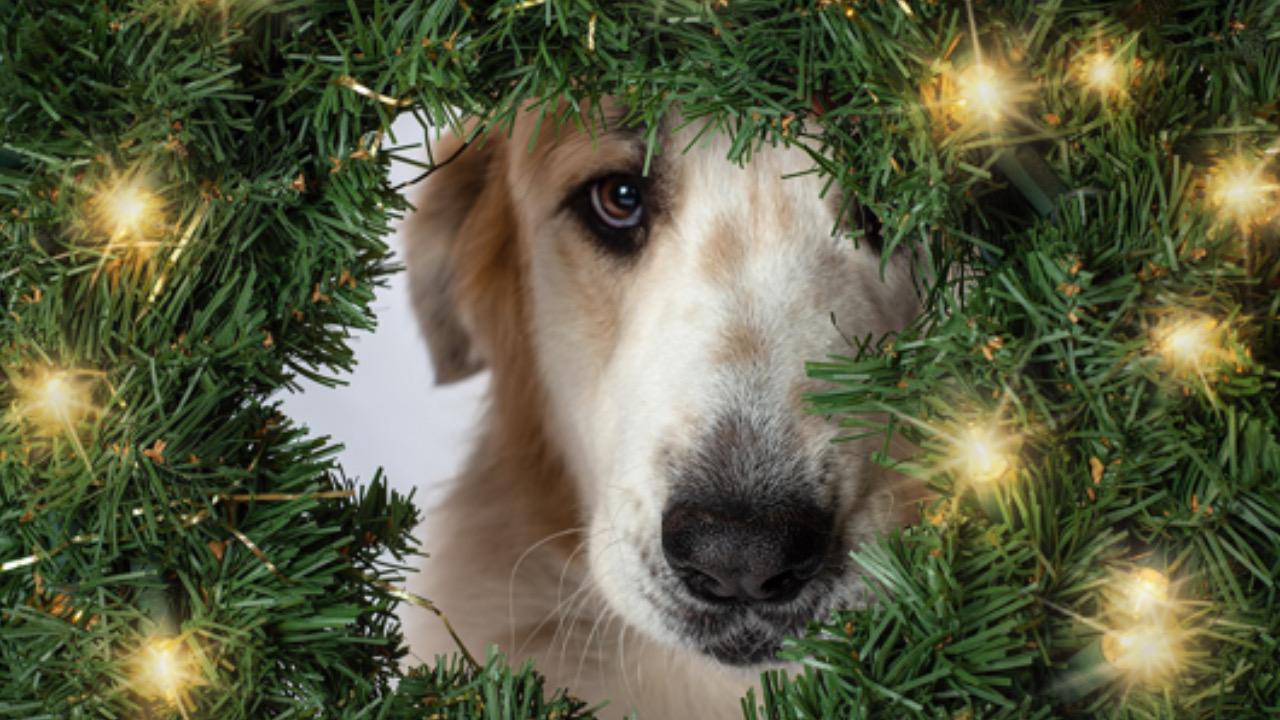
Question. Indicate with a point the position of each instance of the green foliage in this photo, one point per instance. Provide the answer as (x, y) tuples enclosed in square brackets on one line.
[(947, 631), (455, 689), (1055, 244), (178, 504), (1125, 460)]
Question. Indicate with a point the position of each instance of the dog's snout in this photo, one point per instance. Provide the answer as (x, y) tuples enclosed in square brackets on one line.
[(723, 554)]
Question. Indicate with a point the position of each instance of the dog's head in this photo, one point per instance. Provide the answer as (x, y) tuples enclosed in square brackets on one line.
[(653, 329)]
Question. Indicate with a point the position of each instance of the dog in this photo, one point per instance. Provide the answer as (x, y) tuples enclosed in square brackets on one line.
[(649, 509)]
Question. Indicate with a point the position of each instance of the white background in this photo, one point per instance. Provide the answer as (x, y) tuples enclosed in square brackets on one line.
[(390, 414)]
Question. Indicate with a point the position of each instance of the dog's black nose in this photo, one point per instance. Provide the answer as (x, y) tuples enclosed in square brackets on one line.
[(746, 555)]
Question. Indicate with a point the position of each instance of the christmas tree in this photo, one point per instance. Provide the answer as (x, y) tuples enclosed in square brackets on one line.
[(192, 199)]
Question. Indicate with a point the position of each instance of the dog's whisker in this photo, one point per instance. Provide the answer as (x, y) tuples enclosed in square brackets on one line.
[(593, 646), (567, 608), (568, 564), (569, 618), (608, 615), (562, 610), (511, 578), (605, 619), (571, 610), (568, 627), (624, 670)]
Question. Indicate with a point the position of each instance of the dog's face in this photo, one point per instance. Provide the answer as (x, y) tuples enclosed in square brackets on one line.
[(658, 325)]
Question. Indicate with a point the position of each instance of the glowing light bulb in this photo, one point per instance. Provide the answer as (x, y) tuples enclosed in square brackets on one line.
[(126, 211), (128, 206), (981, 92), (984, 455), (52, 400), (984, 91), (162, 666), (1147, 651), (1191, 343), (1241, 190), (163, 670), (1102, 73), (1145, 591), (56, 395), (1188, 341)]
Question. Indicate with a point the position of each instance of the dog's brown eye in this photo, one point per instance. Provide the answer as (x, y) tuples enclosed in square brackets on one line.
[(617, 202), (616, 208)]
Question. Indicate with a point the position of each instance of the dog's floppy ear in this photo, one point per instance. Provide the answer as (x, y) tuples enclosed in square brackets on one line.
[(461, 214)]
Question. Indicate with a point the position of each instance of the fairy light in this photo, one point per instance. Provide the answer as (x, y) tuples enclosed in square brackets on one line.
[(162, 671), (1142, 638), (980, 92), (984, 455), (1101, 72), (1147, 651), (162, 668), (1241, 191), (125, 210), (1145, 591), (1190, 343), (56, 396), (53, 399), (1148, 645), (1187, 342)]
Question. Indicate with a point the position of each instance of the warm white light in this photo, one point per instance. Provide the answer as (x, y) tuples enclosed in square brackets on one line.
[(984, 91), (1187, 341), (128, 206), (1191, 343), (981, 92), (1148, 642), (126, 210), (56, 395), (162, 666), (1148, 651), (1242, 190), (1145, 591), (984, 455), (163, 671), (1102, 72), (52, 400)]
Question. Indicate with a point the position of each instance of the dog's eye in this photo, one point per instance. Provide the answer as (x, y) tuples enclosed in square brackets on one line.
[(617, 201), (617, 209)]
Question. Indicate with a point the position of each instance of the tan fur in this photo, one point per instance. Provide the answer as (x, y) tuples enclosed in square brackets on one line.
[(515, 495), (503, 280), (596, 291), (742, 345), (723, 255)]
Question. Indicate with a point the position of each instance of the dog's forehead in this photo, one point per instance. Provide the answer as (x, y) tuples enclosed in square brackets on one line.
[(562, 156), (550, 154)]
